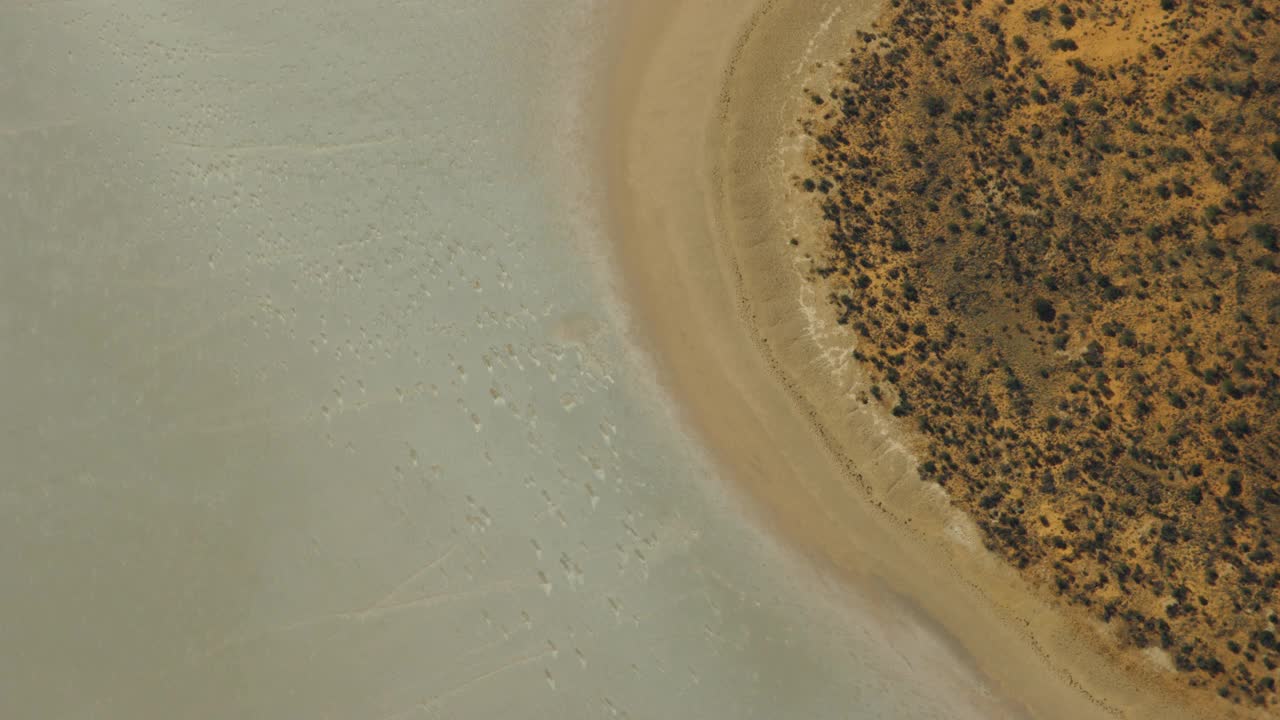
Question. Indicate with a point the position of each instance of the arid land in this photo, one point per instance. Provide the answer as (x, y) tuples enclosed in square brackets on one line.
[(707, 160), (1050, 232)]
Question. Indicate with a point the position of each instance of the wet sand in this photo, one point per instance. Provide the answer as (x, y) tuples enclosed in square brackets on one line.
[(703, 101)]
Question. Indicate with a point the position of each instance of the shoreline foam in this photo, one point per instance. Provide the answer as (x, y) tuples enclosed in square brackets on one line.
[(695, 206)]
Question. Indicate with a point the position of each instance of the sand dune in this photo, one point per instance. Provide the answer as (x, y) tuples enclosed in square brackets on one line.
[(704, 97)]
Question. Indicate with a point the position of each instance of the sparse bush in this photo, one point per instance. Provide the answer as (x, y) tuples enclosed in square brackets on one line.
[(1143, 248)]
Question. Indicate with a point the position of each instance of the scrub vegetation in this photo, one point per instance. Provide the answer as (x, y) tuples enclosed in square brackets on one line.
[(1054, 237)]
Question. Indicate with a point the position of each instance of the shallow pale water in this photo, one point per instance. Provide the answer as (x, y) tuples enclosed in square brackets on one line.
[(317, 403)]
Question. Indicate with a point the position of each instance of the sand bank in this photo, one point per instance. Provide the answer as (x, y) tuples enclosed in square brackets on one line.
[(703, 100)]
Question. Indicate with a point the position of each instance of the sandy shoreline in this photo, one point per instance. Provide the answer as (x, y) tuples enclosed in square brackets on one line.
[(698, 99)]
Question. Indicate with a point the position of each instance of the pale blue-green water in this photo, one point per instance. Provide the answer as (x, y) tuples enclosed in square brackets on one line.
[(317, 404)]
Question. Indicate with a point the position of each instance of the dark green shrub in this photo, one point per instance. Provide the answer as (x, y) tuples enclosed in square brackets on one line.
[(1264, 234), (1044, 310)]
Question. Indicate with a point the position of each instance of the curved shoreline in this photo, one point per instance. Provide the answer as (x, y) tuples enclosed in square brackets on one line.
[(696, 207)]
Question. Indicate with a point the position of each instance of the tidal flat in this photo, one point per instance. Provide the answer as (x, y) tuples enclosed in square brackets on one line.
[(323, 400)]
